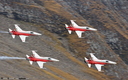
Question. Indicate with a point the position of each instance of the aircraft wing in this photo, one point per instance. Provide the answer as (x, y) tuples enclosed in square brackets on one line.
[(23, 38), (79, 33), (93, 57), (73, 23), (98, 66), (35, 54), (17, 28), (40, 64)]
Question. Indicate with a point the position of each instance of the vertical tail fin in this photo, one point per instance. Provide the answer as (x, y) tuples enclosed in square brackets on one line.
[(68, 29), (27, 57), (89, 65), (10, 31)]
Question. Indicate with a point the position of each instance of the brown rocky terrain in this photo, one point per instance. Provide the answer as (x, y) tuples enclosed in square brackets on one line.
[(48, 17)]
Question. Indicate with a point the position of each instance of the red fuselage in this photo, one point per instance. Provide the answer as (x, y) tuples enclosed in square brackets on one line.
[(21, 33), (38, 59), (76, 29), (96, 62)]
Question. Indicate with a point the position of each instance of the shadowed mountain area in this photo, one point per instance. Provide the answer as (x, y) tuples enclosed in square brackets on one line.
[(48, 17)]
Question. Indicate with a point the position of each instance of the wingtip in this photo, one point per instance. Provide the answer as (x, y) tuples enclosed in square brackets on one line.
[(92, 54), (17, 24), (72, 20), (34, 50)]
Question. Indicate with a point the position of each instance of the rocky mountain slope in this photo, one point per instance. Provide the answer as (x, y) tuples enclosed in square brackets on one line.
[(48, 17)]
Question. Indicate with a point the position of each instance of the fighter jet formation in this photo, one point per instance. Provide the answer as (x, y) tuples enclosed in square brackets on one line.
[(41, 60)]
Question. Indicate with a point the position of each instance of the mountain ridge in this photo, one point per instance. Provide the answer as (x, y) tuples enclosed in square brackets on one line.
[(49, 17)]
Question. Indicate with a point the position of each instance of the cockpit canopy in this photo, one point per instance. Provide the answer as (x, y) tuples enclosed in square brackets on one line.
[(31, 32), (49, 58), (87, 28), (107, 61)]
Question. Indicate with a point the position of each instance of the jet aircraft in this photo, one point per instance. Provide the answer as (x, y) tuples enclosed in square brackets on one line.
[(21, 33), (97, 62), (78, 29), (40, 60)]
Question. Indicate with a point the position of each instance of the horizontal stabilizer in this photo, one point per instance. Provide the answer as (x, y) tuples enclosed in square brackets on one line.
[(66, 25), (28, 59), (27, 56), (85, 58), (68, 29), (13, 36), (89, 65), (10, 30)]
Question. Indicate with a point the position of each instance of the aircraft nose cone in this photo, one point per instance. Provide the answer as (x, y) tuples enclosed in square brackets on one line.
[(55, 59), (113, 62), (94, 29), (38, 34)]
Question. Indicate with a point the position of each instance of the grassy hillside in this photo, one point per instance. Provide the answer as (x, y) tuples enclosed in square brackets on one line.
[(48, 17)]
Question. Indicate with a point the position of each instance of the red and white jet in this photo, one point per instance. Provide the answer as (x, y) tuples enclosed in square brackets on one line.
[(21, 33), (97, 62), (40, 60), (78, 29)]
